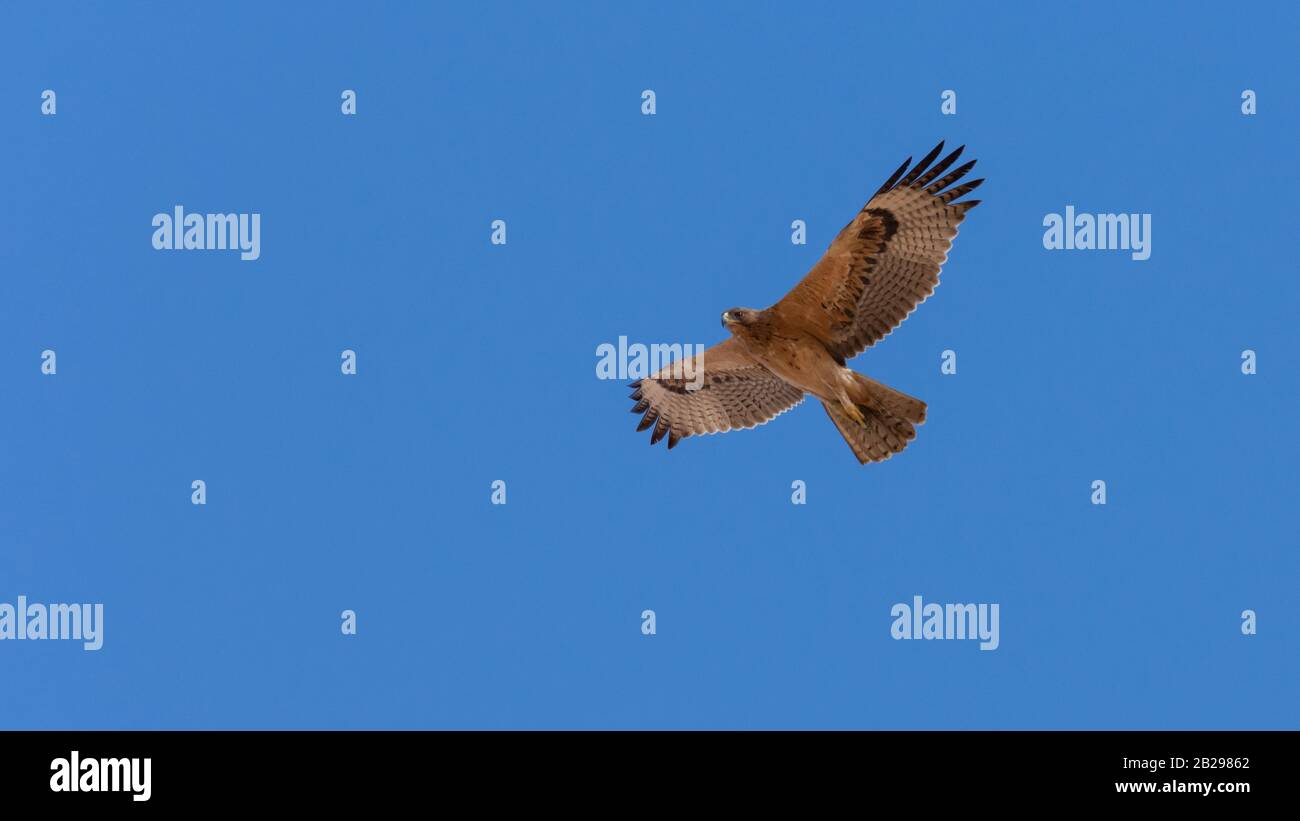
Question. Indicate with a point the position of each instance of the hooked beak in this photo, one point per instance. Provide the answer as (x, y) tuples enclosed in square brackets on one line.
[(727, 318)]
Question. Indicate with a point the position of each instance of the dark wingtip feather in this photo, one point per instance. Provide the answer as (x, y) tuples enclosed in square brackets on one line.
[(673, 438), (938, 168), (641, 407), (661, 428), (951, 177), (922, 165), (893, 178), (647, 421), (961, 190)]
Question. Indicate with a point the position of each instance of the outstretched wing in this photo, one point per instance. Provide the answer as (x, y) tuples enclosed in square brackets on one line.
[(733, 392), (886, 261)]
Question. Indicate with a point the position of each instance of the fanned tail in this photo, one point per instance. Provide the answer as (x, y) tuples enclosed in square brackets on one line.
[(890, 420)]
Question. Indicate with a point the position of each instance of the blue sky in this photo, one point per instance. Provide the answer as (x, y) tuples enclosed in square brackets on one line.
[(476, 362)]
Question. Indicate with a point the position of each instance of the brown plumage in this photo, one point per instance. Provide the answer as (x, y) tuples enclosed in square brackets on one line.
[(875, 272)]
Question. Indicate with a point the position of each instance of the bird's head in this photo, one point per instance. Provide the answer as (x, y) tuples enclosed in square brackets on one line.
[(734, 317)]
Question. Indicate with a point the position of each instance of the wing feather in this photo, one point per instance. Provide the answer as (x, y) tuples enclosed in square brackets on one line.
[(886, 261), (734, 392)]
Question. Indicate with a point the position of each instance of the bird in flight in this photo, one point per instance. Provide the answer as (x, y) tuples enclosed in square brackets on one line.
[(875, 272)]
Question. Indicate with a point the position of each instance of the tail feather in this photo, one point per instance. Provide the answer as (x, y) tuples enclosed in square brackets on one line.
[(891, 418), (888, 400)]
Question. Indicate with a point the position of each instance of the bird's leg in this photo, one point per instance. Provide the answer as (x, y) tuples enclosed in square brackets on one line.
[(850, 409)]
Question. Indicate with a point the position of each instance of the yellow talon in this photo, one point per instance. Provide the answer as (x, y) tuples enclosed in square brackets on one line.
[(851, 411)]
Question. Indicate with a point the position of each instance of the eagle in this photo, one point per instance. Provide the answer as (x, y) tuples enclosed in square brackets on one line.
[(874, 274)]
